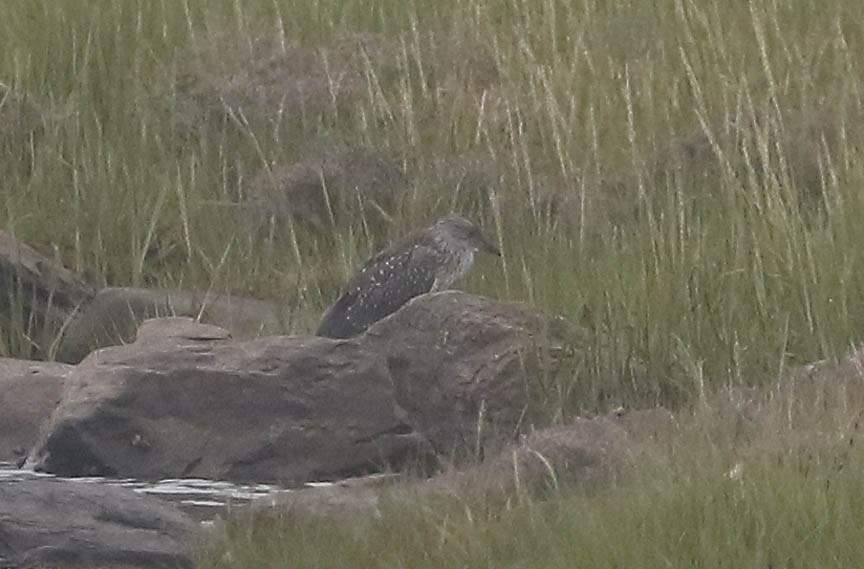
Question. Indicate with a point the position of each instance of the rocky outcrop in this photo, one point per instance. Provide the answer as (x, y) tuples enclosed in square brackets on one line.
[(29, 392), (470, 370), (185, 400), (37, 297), (113, 315), (51, 523)]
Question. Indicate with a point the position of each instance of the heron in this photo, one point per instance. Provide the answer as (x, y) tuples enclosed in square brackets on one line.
[(430, 260)]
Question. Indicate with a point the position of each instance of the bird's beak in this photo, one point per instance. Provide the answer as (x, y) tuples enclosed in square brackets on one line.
[(489, 247)]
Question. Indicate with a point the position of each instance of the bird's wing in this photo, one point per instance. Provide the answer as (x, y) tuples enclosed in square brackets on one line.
[(383, 285)]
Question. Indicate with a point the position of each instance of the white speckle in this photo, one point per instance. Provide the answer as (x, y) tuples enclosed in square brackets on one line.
[(736, 472)]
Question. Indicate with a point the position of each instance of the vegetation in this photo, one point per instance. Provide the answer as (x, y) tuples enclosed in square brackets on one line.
[(782, 488), (689, 171)]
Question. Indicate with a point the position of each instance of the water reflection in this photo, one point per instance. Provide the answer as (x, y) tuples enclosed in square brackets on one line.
[(201, 498)]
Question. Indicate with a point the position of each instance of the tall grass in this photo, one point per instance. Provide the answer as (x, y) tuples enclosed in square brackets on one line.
[(686, 170)]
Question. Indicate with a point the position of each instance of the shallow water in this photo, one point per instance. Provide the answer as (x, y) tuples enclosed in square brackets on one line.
[(203, 499)]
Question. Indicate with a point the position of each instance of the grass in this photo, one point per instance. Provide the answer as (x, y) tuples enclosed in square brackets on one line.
[(783, 491), (685, 171), (689, 171), (778, 517)]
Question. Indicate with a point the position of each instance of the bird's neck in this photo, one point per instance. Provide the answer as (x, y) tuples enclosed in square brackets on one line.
[(459, 263)]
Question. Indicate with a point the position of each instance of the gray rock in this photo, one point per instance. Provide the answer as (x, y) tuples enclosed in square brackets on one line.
[(586, 453), (29, 392), (52, 523), (469, 371), (330, 186), (187, 401), (349, 498), (112, 317), (37, 296)]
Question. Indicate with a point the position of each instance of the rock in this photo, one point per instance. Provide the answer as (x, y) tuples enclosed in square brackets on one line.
[(588, 453), (161, 330), (52, 523), (113, 316), (332, 185), (352, 497), (264, 80), (22, 123), (582, 452), (37, 297), (469, 370), (185, 399), (194, 403), (585, 452), (29, 392)]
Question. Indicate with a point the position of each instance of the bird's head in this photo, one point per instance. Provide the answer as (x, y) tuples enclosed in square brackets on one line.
[(465, 232)]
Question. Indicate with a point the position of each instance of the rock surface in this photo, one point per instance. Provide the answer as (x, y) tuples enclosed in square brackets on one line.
[(113, 315), (324, 187), (29, 392), (37, 297), (184, 400), (60, 317), (587, 452), (52, 523), (470, 370), (584, 452)]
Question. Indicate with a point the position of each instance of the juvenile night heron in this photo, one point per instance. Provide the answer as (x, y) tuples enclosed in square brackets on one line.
[(428, 261)]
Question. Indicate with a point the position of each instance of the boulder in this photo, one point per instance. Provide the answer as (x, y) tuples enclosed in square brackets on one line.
[(185, 400), (586, 453), (29, 392), (53, 523), (112, 317), (22, 121), (470, 371), (331, 185), (37, 296)]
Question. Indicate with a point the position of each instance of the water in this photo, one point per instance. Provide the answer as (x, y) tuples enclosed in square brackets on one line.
[(203, 499)]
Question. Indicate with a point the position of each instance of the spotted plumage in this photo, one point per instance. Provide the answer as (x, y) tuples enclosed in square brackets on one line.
[(428, 261)]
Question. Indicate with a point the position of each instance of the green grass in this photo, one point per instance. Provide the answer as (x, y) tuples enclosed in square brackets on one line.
[(690, 171), (705, 497), (777, 517)]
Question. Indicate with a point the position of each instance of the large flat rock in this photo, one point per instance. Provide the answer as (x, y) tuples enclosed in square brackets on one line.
[(186, 400), (449, 372), (71, 525)]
